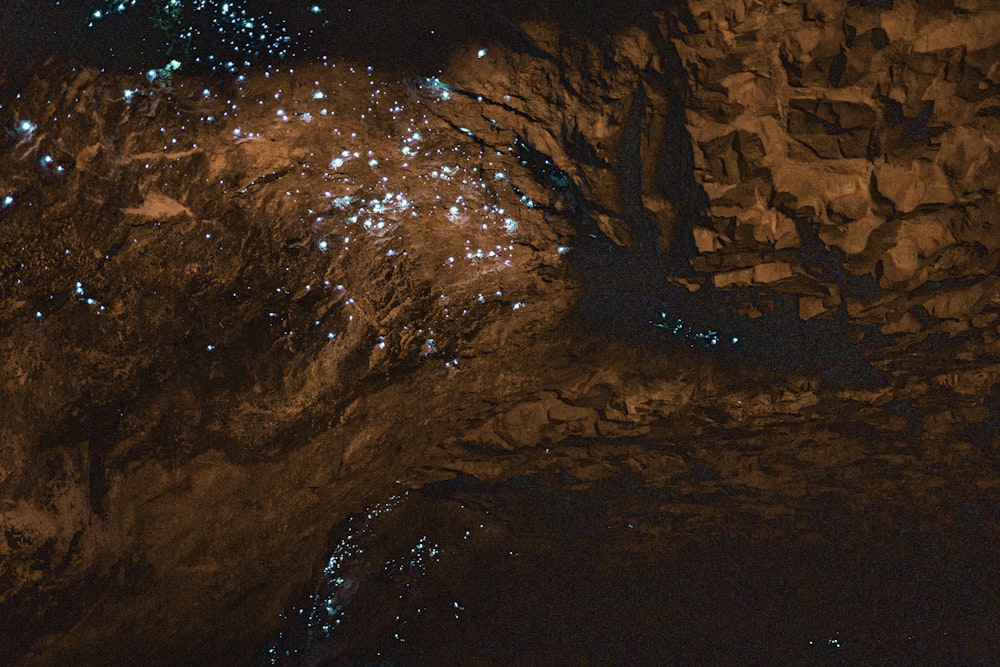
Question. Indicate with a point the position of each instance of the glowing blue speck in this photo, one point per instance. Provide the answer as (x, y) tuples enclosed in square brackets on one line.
[(7, 201), (481, 53)]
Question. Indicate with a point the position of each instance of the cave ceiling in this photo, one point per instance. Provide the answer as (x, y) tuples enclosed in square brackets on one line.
[(314, 313)]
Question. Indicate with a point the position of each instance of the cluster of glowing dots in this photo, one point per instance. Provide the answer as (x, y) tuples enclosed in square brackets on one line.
[(373, 194), (327, 607), (463, 183), (462, 192), (82, 297), (708, 339), (234, 37)]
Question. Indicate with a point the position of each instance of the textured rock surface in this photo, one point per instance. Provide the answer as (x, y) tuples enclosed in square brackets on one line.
[(655, 282), (870, 125)]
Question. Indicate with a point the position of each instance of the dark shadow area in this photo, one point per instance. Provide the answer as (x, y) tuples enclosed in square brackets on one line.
[(626, 294), (413, 37), (537, 571)]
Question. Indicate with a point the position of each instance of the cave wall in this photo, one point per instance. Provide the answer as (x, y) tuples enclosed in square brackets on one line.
[(240, 306), (849, 151), (203, 374)]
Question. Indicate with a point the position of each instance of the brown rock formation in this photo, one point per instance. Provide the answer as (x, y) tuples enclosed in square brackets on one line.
[(443, 327)]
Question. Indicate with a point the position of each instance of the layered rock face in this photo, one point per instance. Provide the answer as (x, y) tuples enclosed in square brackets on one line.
[(530, 280), (849, 151)]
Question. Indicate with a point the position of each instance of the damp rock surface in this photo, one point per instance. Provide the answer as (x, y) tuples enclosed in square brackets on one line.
[(654, 334)]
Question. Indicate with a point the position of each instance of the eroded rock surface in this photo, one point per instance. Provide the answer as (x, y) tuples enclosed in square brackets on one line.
[(827, 135)]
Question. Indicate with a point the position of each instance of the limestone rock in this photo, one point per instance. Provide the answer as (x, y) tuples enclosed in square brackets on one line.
[(852, 237), (973, 155), (973, 32), (963, 302), (879, 155), (910, 187), (915, 240), (904, 323), (707, 240), (761, 274)]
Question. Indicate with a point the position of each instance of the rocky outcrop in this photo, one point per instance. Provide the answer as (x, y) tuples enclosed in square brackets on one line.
[(871, 126)]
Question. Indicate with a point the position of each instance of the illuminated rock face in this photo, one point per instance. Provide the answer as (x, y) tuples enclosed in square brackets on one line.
[(534, 284), (848, 118)]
